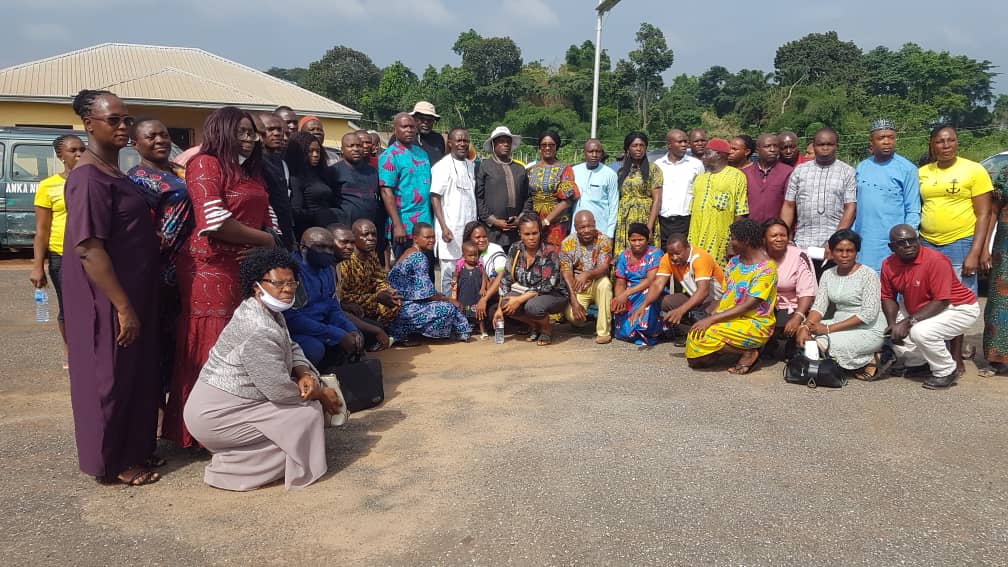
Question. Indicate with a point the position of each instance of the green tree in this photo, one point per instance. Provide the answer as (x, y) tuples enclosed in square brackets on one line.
[(342, 74), (397, 90), (292, 75), (494, 63), (582, 58), (819, 57), (1001, 112), (490, 59), (679, 104), (455, 89), (642, 73)]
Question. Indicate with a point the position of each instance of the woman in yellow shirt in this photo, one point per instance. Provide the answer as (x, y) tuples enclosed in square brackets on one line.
[(50, 220), (956, 207), (957, 211)]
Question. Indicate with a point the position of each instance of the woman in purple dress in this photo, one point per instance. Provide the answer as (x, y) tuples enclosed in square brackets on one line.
[(110, 283)]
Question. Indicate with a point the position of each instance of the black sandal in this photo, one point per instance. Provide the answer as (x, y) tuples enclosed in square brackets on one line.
[(154, 462)]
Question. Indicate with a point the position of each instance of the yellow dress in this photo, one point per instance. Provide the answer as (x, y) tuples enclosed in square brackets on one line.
[(753, 328), (717, 199), (635, 206)]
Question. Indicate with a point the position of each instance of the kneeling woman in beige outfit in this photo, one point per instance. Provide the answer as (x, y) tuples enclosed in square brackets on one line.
[(258, 403)]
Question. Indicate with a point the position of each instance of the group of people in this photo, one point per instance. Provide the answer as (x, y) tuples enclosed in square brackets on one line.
[(219, 290)]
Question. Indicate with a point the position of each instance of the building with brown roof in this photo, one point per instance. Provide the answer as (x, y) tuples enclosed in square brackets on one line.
[(179, 85)]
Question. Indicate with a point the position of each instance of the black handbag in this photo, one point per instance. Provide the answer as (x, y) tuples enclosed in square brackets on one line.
[(361, 384), (825, 372)]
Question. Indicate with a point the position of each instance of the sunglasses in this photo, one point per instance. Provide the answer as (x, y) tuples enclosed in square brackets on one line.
[(903, 242), (115, 120)]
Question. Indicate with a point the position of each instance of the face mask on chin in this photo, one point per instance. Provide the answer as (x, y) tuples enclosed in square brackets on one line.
[(273, 304)]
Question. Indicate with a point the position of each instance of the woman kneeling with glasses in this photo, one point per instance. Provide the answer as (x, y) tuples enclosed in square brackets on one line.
[(852, 292), (258, 403)]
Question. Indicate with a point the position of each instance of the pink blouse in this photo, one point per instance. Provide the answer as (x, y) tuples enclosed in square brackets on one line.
[(795, 279)]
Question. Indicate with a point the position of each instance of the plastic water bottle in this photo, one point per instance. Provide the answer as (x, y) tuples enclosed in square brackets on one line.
[(499, 331), (41, 306)]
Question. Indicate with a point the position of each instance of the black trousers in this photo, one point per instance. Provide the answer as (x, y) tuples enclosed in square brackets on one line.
[(673, 225)]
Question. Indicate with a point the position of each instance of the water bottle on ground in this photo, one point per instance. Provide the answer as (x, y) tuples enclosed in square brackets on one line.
[(499, 331), (41, 306)]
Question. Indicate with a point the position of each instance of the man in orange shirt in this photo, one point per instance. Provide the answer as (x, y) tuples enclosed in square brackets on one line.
[(701, 280)]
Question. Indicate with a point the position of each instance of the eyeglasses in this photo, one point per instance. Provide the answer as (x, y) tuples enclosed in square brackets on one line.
[(547, 145), (114, 120), (282, 285), (903, 242), (248, 136)]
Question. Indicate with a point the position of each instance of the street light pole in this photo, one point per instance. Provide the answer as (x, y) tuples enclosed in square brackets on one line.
[(601, 8)]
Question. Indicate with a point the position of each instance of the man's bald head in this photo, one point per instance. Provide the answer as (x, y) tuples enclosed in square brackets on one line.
[(352, 148), (904, 242), (676, 142), (584, 226), (316, 236), (901, 231), (360, 224), (787, 143), (592, 152), (365, 235), (404, 126)]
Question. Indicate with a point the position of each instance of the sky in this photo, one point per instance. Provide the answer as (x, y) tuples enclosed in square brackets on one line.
[(293, 33)]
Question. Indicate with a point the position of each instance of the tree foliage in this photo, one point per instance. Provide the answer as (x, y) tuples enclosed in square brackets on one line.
[(342, 74), (294, 75), (817, 80), (819, 57), (642, 72)]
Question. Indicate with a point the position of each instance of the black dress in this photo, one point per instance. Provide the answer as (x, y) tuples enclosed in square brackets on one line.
[(314, 202)]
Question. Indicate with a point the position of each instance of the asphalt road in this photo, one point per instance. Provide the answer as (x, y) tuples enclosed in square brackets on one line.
[(515, 454)]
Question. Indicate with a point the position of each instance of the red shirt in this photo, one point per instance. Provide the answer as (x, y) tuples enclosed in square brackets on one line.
[(766, 191), (928, 278)]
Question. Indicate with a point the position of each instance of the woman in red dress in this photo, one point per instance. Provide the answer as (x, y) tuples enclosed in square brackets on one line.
[(233, 216)]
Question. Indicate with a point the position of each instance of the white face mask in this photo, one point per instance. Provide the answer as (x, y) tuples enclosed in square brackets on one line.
[(273, 304)]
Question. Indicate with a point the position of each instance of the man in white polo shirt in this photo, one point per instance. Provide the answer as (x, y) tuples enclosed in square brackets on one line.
[(678, 171)]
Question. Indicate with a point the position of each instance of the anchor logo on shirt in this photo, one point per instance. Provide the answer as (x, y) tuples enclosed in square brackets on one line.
[(952, 189)]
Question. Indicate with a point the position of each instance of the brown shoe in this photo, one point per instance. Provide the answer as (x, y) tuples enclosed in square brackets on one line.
[(603, 340)]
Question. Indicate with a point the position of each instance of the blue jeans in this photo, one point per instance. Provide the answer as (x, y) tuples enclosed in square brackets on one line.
[(956, 253)]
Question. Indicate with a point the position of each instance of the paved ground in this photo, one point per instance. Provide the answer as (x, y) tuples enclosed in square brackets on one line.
[(513, 454)]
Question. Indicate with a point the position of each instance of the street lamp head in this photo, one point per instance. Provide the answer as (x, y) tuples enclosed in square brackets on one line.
[(605, 5)]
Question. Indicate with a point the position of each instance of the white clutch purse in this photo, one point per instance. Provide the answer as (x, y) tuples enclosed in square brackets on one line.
[(341, 417)]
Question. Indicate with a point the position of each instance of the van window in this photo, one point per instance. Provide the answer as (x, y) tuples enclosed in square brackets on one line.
[(33, 162), (2, 160)]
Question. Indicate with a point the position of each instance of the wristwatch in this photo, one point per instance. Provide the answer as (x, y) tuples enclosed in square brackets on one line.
[(914, 321)]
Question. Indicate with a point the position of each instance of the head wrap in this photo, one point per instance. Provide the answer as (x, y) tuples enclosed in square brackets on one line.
[(306, 119)]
